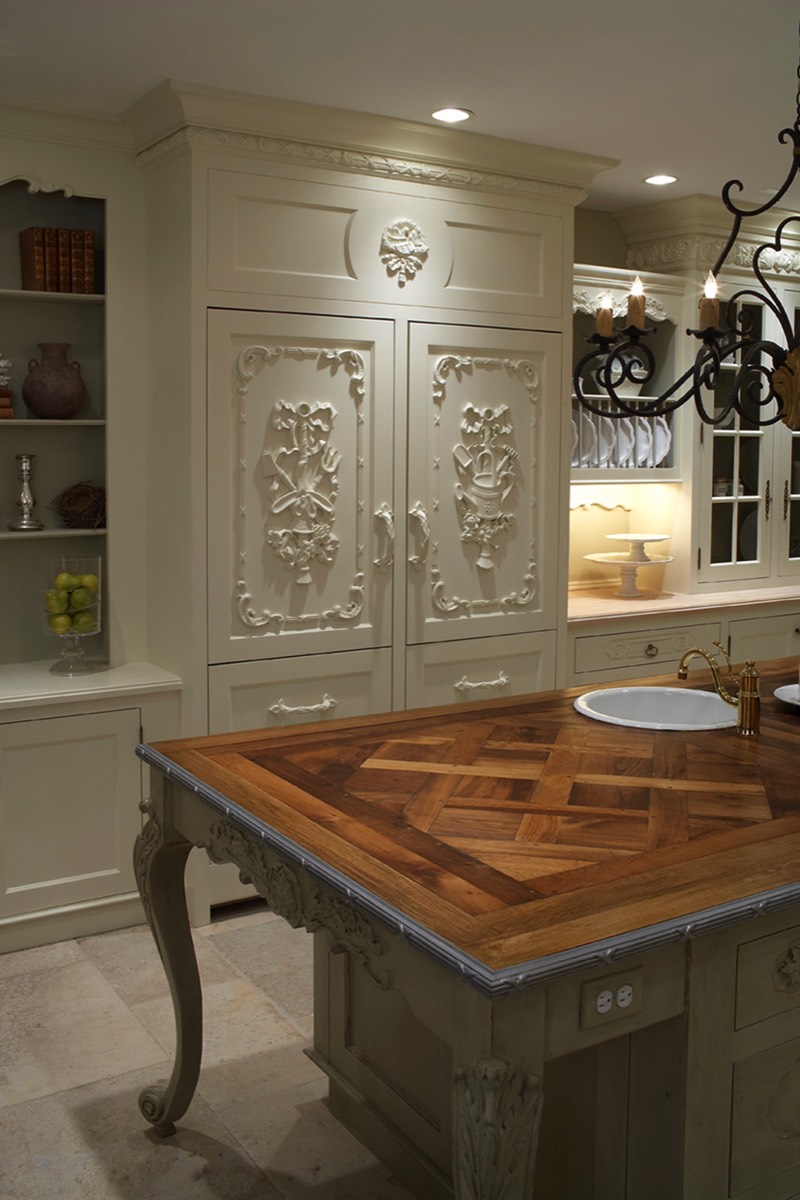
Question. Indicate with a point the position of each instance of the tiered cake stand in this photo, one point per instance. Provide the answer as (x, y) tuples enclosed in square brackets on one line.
[(630, 563)]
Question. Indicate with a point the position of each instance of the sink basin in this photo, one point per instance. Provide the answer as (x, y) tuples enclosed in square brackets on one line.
[(657, 708)]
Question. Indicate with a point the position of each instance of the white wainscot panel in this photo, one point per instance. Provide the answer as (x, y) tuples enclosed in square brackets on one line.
[(480, 669)]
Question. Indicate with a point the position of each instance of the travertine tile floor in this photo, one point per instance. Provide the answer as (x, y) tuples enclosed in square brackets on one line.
[(85, 1024)]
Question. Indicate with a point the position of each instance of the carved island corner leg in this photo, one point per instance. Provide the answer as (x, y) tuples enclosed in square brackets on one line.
[(159, 860), (497, 1106)]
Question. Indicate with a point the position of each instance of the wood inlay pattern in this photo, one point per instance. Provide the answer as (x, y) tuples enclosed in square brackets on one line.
[(508, 825)]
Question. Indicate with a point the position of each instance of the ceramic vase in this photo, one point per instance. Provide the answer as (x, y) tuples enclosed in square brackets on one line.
[(53, 388)]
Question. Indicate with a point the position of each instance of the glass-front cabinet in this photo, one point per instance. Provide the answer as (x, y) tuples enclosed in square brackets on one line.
[(749, 475)]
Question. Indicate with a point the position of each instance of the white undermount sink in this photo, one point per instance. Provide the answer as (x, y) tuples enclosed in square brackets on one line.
[(657, 708)]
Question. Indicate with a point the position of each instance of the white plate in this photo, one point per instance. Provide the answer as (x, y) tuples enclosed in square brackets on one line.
[(606, 440), (624, 442), (662, 440), (643, 451), (585, 450), (789, 694)]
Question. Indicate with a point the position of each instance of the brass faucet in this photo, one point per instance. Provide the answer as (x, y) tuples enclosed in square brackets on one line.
[(748, 701)]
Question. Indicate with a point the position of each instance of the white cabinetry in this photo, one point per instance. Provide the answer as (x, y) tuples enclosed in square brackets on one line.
[(359, 326), (70, 784), (70, 789)]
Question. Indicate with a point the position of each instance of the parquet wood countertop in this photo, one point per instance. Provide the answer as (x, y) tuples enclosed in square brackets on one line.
[(519, 830)]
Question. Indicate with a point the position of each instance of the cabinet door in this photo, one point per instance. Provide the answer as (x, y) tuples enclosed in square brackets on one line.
[(69, 809), (299, 484), (484, 481)]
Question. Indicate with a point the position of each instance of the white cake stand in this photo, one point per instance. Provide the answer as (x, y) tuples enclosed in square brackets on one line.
[(629, 564)]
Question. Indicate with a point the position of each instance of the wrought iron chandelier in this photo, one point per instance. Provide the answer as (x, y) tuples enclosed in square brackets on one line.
[(765, 387)]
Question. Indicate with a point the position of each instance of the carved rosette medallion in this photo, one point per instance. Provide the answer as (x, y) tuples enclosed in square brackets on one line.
[(786, 972), (496, 1117), (300, 464), (485, 491), (403, 250)]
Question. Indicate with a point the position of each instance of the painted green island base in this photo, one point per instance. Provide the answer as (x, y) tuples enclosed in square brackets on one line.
[(554, 959)]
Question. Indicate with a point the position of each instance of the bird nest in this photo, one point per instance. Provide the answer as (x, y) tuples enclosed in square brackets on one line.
[(82, 506)]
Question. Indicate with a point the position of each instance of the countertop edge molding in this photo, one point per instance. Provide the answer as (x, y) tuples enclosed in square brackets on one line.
[(490, 982)]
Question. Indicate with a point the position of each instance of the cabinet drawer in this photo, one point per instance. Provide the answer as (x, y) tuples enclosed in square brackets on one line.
[(768, 977), (626, 653), (288, 691), (760, 638), (480, 669)]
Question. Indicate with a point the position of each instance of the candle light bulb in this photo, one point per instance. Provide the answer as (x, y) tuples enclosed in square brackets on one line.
[(636, 304), (604, 322), (709, 304)]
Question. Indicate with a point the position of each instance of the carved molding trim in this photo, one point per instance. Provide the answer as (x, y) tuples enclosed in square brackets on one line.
[(293, 896), (496, 1118), (698, 250), (403, 250), (37, 185), (485, 478), (619, 650), (303, 481), (361, 162), (149, 839), (588, 302)]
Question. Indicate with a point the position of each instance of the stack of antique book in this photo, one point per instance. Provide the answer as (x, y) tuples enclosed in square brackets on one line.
[(57, 260)]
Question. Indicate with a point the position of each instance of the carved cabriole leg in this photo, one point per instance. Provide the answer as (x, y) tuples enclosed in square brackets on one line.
[(497, 1096), (159, 863)]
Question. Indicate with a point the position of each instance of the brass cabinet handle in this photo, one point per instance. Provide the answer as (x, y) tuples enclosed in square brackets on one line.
[(785, 499), (651, 651), (768, 499)]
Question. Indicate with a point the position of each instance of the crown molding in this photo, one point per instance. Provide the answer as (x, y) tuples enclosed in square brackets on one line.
[(689, 235), (68, 128), (180, 116)]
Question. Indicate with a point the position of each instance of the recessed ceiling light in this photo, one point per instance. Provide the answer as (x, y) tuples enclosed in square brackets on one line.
[(451, 116), (661, 180)]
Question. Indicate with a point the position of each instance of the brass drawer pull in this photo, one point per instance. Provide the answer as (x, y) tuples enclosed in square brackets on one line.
[(651, 651)]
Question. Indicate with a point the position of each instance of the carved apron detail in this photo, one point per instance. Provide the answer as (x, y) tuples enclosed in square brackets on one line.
[(496, 1115), (290, 894)]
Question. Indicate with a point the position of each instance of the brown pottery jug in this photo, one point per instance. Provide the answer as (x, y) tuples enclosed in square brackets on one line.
[(53, 388)]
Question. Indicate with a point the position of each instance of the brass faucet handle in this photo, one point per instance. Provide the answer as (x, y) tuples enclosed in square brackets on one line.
[(722, 650)]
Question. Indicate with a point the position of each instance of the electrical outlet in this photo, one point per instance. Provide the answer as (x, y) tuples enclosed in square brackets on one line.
[(612, 998)]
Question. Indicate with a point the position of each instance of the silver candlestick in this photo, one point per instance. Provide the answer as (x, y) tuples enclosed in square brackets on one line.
[(25, 502)]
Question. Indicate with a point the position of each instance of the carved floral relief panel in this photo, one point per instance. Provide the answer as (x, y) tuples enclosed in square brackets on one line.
[(485, 448), (300, 531)]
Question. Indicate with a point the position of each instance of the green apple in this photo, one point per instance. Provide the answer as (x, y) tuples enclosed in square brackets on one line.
[(80, 597), (60, 622), (91, 582), (65, 579), (57, 600), (84, 622)]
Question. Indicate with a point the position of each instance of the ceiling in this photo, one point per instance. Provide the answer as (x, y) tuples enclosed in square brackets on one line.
[(696, 88)]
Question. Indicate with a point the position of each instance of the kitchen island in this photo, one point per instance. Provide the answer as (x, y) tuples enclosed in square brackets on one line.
[(539, 939)]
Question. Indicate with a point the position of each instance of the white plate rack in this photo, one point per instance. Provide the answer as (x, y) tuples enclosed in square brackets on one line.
[(638, 443)]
